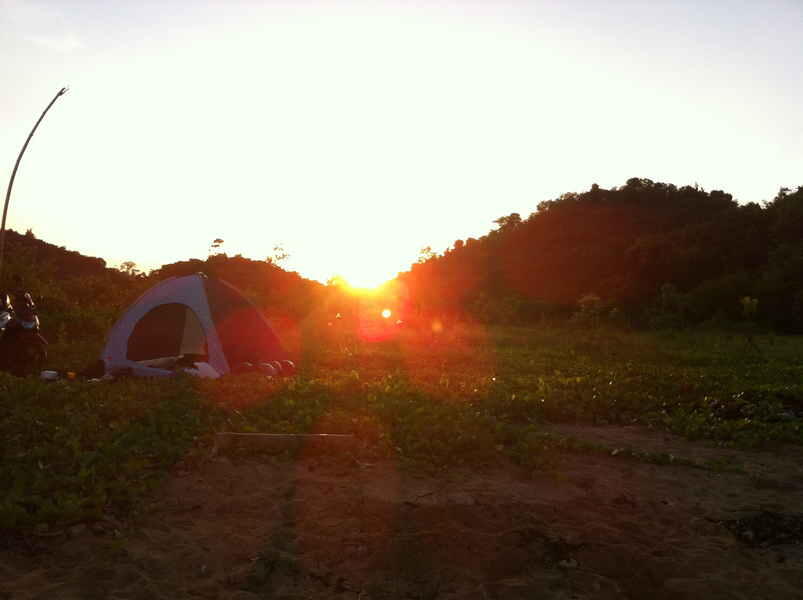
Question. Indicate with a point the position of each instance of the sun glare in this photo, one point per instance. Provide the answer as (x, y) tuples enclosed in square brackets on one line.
[(366, 280), (386, 313)]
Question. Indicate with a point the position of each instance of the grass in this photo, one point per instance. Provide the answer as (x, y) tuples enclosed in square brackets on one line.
[(73, 451)]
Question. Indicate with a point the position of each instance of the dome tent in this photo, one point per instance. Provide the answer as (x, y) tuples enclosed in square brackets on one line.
[(186, 322)]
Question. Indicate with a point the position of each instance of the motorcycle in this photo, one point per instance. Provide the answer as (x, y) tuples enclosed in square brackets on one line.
[(23, 350)]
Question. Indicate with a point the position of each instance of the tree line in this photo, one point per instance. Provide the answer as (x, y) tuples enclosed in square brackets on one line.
[(649, 252), (80, 297)]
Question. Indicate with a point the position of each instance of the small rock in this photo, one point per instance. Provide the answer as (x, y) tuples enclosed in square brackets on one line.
[(78, 529), (568, 563)]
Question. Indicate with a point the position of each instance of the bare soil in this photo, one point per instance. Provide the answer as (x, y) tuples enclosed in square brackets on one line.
[(340, 526)]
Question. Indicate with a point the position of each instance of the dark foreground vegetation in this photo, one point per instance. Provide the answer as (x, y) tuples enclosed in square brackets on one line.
[(74, 451)]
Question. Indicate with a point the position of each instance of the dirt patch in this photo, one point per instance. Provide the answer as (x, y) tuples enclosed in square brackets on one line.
[(597, 527), (777, 468)]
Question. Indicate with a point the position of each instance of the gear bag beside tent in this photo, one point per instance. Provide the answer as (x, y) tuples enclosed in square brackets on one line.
[(195, 323)]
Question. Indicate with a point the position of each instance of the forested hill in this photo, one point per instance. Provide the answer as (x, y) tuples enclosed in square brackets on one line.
[(647, 252), (25, 253), (652, 251), (80, 297)]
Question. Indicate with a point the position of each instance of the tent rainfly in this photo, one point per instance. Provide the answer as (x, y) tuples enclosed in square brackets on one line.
[(195, 323)]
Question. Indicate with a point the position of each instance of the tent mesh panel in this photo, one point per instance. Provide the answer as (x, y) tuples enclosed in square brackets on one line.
[(244, 333), (166, 330)]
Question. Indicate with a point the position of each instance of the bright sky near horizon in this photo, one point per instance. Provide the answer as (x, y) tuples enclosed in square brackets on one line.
[(355, 133)]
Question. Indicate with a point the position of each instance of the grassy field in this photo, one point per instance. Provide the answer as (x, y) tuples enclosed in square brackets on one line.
[(466, 396)]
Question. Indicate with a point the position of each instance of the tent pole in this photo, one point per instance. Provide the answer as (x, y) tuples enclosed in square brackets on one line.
[(60, 93)]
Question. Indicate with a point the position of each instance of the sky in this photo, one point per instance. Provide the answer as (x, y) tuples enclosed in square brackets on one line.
[(353, 134)]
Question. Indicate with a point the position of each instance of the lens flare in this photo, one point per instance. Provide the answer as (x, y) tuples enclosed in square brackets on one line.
[(386, 313)]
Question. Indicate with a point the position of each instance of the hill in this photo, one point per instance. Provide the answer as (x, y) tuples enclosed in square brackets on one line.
[(652, 251), (79, 297)]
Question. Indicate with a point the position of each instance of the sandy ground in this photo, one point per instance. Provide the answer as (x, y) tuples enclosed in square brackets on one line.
[(334, 526)]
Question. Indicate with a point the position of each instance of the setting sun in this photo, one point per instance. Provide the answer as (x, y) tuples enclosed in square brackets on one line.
[(386, 313), (367, 276)]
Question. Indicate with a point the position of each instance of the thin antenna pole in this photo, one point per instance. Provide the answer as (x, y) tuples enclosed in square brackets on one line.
[(60, 93)]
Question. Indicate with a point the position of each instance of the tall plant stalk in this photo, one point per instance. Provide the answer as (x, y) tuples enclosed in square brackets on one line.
[(60, 93)]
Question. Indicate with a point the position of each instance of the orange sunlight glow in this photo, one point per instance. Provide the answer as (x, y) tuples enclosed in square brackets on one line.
[(367, 279), (386, 313), (364, 286)]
